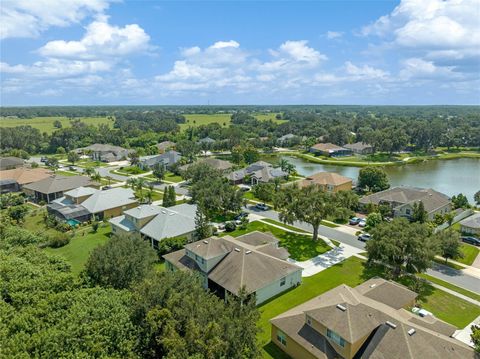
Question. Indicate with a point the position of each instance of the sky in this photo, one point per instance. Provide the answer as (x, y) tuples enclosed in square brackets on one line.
[(95, 52)]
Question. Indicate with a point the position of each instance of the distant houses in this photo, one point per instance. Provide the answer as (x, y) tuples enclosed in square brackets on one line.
[(166, 159), (255, 173), (328, 181), (215, 163), (13, 180), (155, 223), (359, 148), (165, 146), (8, 163), (253, 262), (329, 150), (53, 187), (105, 152), (87, 203), (402, 200)]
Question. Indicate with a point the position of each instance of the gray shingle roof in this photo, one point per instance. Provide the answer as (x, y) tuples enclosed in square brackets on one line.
[(471, 222), (112, 198), (431, 199), (171, 222), (7, 162), (144, 211), (123, 223), (359, 146), (59, 183)]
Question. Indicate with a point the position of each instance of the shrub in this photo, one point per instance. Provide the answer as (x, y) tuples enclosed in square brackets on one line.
[(59, 241), (173, 244), (230, 226)]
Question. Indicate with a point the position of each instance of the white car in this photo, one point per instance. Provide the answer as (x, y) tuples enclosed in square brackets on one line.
[(362, 223)]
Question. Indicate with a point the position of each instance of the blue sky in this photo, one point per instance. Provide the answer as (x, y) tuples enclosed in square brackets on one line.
[(82, 52)]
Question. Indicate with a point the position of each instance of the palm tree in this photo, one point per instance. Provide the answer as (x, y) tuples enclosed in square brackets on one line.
[(132, 182), (88, 171), (96, 177), (150, 193), (109, 179), (140, 185)]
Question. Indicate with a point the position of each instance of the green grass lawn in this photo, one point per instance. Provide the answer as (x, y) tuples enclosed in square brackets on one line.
[(301, 247), (224, 119), (66, 173), (156, 195), (45, 124), (90, 164), (469, 254), (130, 170), (34, 222), (267, 117), (353, 272), (80, 246), (172, 177), (451, 286)]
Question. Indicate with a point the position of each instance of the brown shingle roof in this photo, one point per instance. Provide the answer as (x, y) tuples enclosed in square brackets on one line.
[(390, 293), (25, 175), (325, 178), (360, 316), (210, 248)]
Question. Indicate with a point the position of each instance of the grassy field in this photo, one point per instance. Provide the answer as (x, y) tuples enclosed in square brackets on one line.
[(34, 222), (301, 247), (352, 272), (80, 246), (194, 120), (45, 124), (469, 254)]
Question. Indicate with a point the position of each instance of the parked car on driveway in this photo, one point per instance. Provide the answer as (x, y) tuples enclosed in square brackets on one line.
[(471, 240), (364, 237), (362, 223), (240, 217), (354, 221), (262, 207)]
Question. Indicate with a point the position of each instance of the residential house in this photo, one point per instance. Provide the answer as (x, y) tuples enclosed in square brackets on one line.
[(471, 225), (402, 200), (368, 321), (253, 262), (215, 163), (86, 203), (14, 180), (155, 223), (360, 148), (285, 140), (328, 181), (330, 150), (105, 152), (256, 172), (206, 140), (53, 187), (165, 146), (8, 163), (166, 159)]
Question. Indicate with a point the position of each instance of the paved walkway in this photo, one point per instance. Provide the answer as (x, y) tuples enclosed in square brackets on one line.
[(464, 335), (326, 260), (476, 262)]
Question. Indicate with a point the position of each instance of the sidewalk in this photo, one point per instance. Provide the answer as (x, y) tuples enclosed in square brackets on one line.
[(464, 334)]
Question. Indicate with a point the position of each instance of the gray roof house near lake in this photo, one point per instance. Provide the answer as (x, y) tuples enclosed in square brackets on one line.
[(402, 200), (257, 172), (471, 224), (360, 148), (253, 261), (156, 223)]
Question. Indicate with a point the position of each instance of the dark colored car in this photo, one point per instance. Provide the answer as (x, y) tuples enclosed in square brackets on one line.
[(471, 240), (106, 187), (241, 215), (364, 237), (354, 221)]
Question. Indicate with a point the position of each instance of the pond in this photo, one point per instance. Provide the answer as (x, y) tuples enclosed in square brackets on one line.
[(447, 176)]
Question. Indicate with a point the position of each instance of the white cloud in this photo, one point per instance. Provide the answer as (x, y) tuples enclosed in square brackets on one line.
[(421, 69), (364, 72), (299, 51), (100, 40), (28, 18), (331, 35), (223, 44)]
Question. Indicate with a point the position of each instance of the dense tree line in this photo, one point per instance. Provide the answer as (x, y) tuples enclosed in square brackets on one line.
[(120, 306)]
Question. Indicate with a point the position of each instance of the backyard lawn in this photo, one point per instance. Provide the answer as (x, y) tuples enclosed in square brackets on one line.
[(301, 247), (352, 272), (172, 177), (80, 246), (34, 222), (45, 124)]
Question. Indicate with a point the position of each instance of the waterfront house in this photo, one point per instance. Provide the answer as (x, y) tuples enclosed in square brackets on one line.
[(255, 173), (330, 150), (328, 181), (359, 148), (471, 225)]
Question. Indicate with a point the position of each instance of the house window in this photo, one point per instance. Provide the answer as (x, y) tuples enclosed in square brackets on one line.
[(407, 211), (283, 281), (281, 337), (335, 337)]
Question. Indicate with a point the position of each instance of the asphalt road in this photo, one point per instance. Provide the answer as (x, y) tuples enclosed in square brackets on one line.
[(445, 273)]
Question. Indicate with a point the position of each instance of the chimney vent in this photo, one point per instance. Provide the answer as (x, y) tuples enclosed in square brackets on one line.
[(248, 252), (391, 325), (341, 307), (411, 332), (237, 249)]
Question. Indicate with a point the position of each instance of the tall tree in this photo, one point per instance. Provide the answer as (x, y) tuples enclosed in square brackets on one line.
[(476, 197), (120, 263), (73, 157), (159, 172), (308, 204), (419, 214), (450, 245), (134, 158), (18, 213), (203, 229), (402, 247), (373, 179)]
